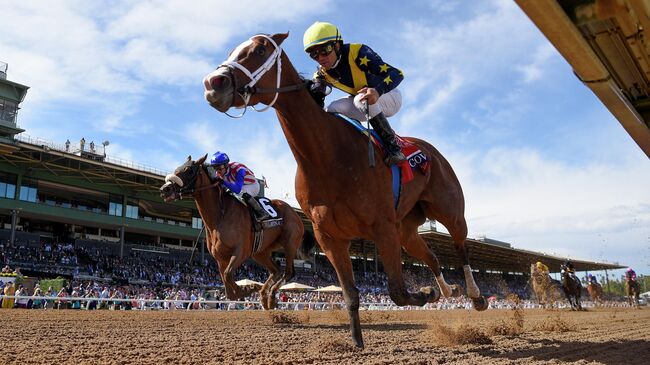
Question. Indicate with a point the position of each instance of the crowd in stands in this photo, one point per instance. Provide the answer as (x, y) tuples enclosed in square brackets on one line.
[(141, 280)]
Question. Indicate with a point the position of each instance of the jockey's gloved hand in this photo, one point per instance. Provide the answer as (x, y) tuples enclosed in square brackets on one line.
[(318, 89)]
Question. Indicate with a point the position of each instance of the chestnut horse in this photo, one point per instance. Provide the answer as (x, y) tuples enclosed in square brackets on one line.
[(343, 197), (595, 291), (633, 289), (229, 229), (546, 290)]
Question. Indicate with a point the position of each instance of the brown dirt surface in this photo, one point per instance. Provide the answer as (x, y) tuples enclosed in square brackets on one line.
[(602, 336)]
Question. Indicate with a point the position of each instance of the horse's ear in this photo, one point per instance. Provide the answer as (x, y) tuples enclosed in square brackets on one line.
[(189, 158), (280, 37), (202, 159)]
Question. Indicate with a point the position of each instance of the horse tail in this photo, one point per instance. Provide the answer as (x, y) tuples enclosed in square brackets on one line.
[(307, 244)]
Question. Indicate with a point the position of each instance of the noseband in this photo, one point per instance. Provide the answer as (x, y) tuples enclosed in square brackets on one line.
[(189, 188), (248, 90), (184, 188)]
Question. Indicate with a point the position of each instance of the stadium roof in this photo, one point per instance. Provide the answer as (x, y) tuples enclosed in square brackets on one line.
[(40, 155), (606, 44)]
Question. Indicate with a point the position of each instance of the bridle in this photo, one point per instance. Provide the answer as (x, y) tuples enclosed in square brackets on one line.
[(248, 90), (186, 188)]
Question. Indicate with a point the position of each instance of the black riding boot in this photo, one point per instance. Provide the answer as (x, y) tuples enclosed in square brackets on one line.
[(394, 154), (260, 213)]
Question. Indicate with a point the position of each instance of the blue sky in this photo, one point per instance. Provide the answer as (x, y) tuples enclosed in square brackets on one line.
[(543, 163)]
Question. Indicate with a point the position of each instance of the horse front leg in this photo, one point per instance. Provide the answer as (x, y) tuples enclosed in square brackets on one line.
[(337, 251), (233, 291)]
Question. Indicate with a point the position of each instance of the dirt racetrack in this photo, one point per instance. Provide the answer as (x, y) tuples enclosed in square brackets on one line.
[(607, 336)]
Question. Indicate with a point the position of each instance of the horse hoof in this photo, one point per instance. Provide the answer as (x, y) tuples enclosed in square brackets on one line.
[(432, 294), (480, 304)]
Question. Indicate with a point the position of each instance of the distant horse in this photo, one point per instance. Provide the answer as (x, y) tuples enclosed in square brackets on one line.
[(572, 289), (545, 289), (595, 291), (229, 230), (633, 289), (343, 197)]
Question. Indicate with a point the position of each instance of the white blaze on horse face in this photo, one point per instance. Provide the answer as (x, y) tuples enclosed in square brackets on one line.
[(233, 57)]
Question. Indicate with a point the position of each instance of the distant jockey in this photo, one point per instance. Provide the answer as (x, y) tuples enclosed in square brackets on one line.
[(568, 267), (240, 180), (542, 268), (592, 279), (630, 275)]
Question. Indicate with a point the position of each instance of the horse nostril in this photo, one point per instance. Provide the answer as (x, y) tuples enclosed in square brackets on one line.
[(219, 82)]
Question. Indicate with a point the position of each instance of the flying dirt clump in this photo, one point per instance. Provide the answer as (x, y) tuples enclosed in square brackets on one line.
[(278, 317), (463, 335)]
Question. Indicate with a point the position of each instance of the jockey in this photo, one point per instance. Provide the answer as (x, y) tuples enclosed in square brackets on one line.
[(542, 268), (357, 70), (240, 180), (568, 267), (592, 279), (630, 275)]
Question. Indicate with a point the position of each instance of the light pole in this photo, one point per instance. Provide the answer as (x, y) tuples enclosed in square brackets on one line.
[(105, 143)]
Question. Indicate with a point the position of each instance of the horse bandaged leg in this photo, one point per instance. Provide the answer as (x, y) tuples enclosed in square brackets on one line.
[(445, 288), (472, 289)]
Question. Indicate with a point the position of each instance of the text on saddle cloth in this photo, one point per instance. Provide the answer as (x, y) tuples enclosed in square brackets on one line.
[(414, 156), (258, 227), (275, 220)]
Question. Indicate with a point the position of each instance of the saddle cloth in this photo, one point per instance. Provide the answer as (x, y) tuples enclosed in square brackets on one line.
[(414, 156)]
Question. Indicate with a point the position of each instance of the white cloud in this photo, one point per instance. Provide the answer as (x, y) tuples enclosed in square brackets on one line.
[(520, 196)]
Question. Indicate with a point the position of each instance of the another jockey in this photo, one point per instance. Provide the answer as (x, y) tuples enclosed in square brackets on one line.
[(542, 268), (357, 70), (592, 279), (568, 267), (630, 275), (240, 180)]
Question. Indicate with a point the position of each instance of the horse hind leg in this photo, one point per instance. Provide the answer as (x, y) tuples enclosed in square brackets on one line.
[(415, 246), (267, 296), (451, 216), (458, 232)]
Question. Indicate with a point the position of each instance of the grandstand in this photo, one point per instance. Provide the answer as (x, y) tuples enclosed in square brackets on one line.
[(74, 193)]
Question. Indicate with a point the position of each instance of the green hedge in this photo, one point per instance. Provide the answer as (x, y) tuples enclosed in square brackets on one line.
[(56, 284)]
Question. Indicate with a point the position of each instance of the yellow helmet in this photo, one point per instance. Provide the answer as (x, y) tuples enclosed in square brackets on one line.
[(320, 33), (539, 264)]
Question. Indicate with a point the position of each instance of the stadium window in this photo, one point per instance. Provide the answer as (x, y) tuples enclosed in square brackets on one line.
[(132, 211), (7, 186), (11, 191), (115, 209), (197, 223), (28, 193)]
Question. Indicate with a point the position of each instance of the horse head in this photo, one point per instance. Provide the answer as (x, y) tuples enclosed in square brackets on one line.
[(252, 74), (183, 180)]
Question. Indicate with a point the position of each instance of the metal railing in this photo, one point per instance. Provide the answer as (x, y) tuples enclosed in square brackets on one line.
[(112, 160)]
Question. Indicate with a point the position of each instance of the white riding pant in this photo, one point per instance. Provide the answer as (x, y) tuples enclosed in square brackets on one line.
[(252, 189), (350, 106)]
